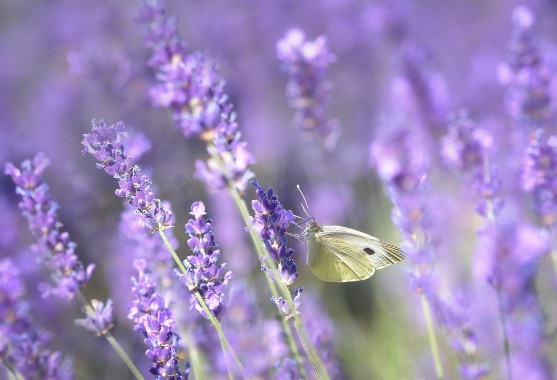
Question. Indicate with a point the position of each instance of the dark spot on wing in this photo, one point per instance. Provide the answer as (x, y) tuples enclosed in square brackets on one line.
[(369, 251)]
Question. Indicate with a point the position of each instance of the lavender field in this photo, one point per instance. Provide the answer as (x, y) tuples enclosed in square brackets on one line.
[(152, 225)]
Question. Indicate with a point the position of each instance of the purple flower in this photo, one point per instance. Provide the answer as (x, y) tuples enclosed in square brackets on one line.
[(420, 91), (104, 143), (190, 85), (464, 146), (539, 175), (153, 319), (509, 257), (22, 343), (99, 320), (230, 157), (271, 222), (527, 77), (53, 245), (306, 63), (204, 275)]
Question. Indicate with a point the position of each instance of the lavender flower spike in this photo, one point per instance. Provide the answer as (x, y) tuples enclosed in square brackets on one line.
[(271, 222), (104, 143), (22, 344), (204, 275), (306, 63), (527, 77), (54, 245), (100, 320), (153, 319)]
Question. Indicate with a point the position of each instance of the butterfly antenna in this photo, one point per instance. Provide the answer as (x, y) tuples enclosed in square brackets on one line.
[(306, 209)]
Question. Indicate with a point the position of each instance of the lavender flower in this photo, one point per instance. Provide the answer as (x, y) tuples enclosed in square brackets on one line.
[(54, 246), (509, 257), (132, 243), (466, 148), (271, 222), (404, 167), (22, 343), (527, 77), (104, 143), (204, 276), (191, 86), (306, 63), (99, 319), (424, 89), (153, 319), (539, 175)]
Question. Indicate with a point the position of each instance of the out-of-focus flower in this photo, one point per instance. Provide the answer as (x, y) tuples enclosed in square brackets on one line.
[(190, 85), (527, 76), (153, 319), (22, 344), (508, 257), (539, 175), (54, 246), (306, 63), (203, 274), (104, 143), (99, 320)]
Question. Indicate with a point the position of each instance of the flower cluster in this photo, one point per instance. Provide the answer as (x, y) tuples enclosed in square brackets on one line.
[(153, 319), (98, 319), (306, 63), (404, 169), (539, 175), (104, 143), (466, 148), (527, 77), (271, 222), (22, 344), (203, 274), (54, 246), (191, 86), (509, 257), (421, 91)]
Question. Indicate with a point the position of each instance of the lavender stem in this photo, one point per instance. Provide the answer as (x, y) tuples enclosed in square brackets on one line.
[(111, 340), (432, 338)]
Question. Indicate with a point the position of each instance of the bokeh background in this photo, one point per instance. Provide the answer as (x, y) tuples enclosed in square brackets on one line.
[(63, 63)]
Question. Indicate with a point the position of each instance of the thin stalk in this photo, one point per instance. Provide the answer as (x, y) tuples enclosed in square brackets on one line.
[(216, 324), (491, 219), (194, 355), (432, 338), (111, 340), (309, 349), (13, 373)]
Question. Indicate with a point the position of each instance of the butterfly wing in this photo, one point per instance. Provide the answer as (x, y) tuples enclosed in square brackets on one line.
[(335, 260), (379, 252)]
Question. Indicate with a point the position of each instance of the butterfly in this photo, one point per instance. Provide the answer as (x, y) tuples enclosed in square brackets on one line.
[(342, 254)]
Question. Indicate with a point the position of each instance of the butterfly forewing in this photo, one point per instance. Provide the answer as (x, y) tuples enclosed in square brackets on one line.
[(379, 252), (335, 260)]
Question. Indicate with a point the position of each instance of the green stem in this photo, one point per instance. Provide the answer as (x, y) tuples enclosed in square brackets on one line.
[(111, 340), (194, 355), (216, 324), (13, 373), (432, 338), (308, 347)]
